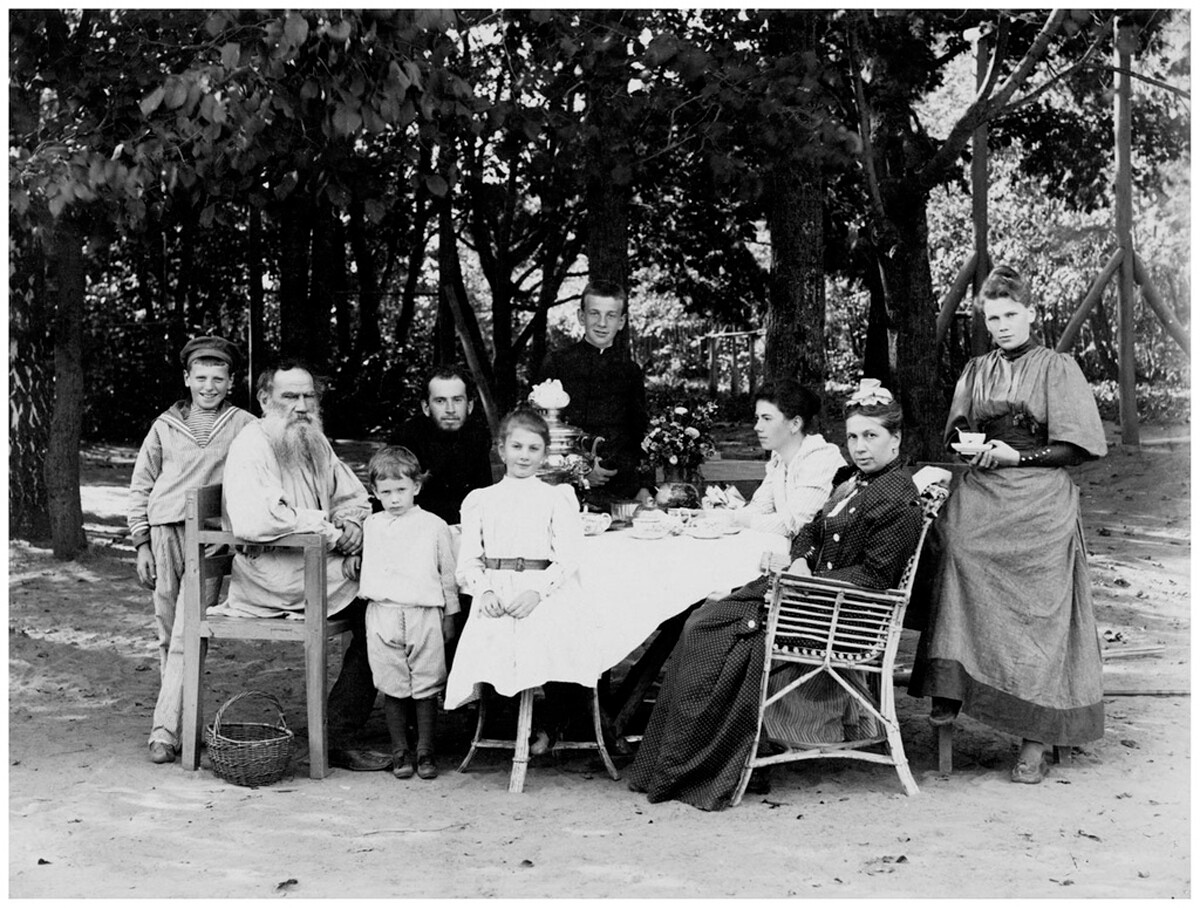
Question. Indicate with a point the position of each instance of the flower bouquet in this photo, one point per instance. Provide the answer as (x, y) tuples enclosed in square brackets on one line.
[(679, 441)]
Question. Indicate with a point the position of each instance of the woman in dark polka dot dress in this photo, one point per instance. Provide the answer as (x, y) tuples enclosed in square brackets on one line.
[(702, 726)]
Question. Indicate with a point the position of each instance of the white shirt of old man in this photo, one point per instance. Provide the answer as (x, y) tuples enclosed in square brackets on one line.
[(263, 502)]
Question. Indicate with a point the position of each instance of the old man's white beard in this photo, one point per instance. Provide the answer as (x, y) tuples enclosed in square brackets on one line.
[(299, 445)]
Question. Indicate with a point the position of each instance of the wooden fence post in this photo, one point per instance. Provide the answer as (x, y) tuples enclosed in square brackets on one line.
[(1122, 123)]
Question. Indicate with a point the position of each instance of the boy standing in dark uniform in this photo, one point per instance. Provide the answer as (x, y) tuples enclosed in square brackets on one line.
[(607, 389)]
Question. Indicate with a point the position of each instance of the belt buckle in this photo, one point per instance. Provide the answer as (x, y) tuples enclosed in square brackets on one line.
[(520, 564)]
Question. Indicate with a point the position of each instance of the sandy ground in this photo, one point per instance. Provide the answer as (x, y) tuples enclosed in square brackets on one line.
[(89, 816)]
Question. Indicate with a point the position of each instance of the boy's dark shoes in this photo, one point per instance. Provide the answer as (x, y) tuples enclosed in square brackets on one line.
[(359, 759), (403, 765), (426, 767), (161, 752)]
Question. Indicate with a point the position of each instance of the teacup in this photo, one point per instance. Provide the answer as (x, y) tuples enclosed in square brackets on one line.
[(972, 438), (651, 526), (595, 524)]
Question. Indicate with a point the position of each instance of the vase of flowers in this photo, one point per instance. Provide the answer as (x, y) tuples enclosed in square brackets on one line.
[(678, 442)]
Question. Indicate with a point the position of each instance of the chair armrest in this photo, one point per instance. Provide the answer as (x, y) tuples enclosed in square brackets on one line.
[(290, 541)]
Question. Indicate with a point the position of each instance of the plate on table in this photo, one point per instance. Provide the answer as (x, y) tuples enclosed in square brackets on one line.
[(656, 533), (704, 532), (970, 450)]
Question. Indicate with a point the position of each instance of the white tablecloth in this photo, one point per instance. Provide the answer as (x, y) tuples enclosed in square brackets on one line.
[(636, 584)]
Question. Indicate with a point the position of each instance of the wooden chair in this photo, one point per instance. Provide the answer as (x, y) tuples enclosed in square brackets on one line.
[(831, 627), (208, 554), (520, 746)]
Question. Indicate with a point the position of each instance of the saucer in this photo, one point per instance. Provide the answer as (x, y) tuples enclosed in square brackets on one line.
[(970, 450), (704, 533), (637, 533)]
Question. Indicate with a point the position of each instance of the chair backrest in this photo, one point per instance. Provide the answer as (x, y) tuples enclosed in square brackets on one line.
[(838, 622)]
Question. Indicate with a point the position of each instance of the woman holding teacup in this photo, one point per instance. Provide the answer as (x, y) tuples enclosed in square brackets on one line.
[(702, 727), (799, 475), (1011, 638)]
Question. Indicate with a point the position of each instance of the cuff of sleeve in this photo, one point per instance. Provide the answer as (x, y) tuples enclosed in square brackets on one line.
[(140, 538)]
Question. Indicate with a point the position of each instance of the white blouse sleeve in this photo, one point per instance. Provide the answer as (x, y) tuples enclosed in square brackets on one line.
[(566, 538), (470, 569), (809, 487)]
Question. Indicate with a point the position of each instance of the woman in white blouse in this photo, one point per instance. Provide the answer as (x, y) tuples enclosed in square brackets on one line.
[(800, 473)]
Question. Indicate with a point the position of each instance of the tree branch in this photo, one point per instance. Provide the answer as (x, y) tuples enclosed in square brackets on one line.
[(985, 107)]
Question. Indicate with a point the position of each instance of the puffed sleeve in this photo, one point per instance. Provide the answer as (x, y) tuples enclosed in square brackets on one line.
[(1071, 410), (470, 571), (566, 538), (447, 559), (960, 404)]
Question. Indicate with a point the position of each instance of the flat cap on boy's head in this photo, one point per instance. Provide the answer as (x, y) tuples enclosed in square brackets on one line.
[(212, 347)]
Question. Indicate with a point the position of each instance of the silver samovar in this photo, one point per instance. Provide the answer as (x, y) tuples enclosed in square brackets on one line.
[(567, 459)]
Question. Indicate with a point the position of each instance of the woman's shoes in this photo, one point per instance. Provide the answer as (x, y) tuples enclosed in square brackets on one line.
[(1030, 774), (943, 711)]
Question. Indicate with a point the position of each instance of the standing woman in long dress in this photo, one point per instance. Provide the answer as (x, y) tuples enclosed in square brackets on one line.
[(1011, 638)]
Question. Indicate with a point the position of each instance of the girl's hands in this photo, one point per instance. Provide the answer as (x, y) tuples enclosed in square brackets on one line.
[(998, 455), (489, 604), (352, 567), (524, 604)]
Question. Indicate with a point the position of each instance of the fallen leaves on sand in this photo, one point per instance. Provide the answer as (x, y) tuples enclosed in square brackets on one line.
[(287, 884)]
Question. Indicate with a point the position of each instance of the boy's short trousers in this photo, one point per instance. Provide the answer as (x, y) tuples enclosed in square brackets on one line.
[(406, 650)]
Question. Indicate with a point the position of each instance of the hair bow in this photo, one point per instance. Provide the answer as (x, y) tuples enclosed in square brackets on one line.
[(870, 393)]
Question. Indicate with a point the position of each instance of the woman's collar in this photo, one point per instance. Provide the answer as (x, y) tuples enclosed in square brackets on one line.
[(883, 471), (1017, 352)]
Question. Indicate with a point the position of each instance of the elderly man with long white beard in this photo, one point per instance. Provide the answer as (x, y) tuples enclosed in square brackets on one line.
[(282, 476)]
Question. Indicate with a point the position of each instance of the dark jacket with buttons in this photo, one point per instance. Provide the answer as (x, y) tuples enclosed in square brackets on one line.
[(608, 398), (866, 532)]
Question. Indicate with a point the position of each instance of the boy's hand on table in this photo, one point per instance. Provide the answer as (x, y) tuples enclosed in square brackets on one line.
[(352, 567), (489, 604), (146, 569), (523, 605)]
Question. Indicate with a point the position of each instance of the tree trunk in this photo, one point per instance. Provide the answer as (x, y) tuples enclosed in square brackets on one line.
[(795, 323), (369, 341), (31, 397), (876, 359), (422, 213), (330, 284), (912, 342), (66, 421), (295, 233), (609, 168), (256, 352)]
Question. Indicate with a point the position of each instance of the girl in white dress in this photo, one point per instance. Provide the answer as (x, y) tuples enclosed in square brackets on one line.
[(519, 559)]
